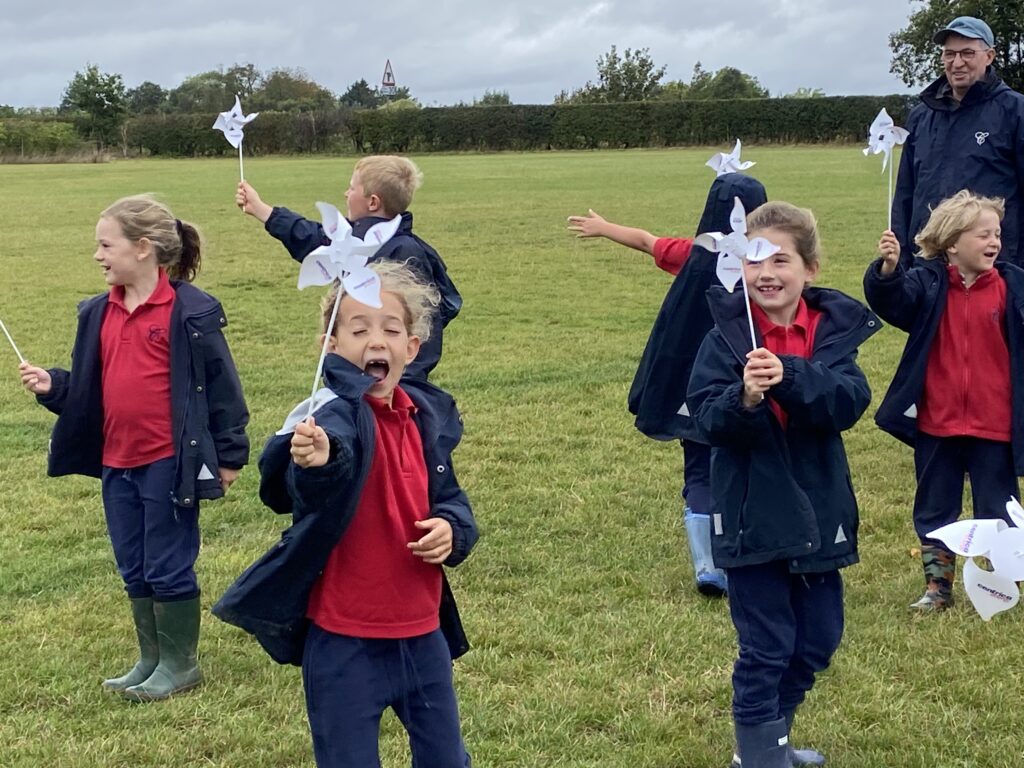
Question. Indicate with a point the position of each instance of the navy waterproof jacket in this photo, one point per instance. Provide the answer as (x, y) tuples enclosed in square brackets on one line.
[(657, 396), (914, 300), (208, 410), (270, 598), (783, 494), (978, 145), (301, 236)]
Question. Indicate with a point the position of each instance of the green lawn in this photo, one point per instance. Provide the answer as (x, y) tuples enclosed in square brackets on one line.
[(591, 648)]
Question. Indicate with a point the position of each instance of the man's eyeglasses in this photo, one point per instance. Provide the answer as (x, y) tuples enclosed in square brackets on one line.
[(966, 54)]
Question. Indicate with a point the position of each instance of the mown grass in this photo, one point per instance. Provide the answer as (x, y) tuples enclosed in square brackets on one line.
[(590, 646)]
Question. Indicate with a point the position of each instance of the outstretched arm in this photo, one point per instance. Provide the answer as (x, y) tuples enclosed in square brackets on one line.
[(594, 225)]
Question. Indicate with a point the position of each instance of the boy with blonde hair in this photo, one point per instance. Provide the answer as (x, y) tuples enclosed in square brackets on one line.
[(381, 187), (354, 592)]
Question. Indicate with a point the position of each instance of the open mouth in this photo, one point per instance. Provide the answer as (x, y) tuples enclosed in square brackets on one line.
[(769, 291), (379, 369)]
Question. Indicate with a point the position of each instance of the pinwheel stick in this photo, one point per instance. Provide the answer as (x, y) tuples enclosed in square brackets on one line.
[(891, 163), (750, 315), (15, 346), (323, 351), (241, 167)]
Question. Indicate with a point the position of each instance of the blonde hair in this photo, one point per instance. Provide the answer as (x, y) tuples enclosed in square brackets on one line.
[(392, 178), (420, 300), (951, 218), (176, 244), (798, 223)]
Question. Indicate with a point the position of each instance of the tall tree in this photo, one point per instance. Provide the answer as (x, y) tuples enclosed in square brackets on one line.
[(146, 98), (631, 76), (726, 83), (915, 57), (291, 90), (360, 94), (212, 91), (99, 101)]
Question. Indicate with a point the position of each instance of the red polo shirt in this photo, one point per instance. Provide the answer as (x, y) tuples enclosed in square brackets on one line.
[(794, 339), (373, 585), (967, 381), (671, 253), (135, 355)]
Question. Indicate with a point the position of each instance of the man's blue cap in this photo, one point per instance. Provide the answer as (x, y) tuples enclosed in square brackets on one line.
[(966, 26)]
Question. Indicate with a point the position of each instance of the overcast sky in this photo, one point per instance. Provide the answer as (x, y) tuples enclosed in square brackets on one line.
[(448, 50)]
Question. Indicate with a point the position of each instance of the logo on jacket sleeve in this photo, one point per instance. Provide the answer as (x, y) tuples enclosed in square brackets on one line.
[(980, 137), (840, 535)]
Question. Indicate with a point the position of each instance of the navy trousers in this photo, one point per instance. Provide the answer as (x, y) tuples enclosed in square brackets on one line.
[(788, 626), (942, 462), (155, 542), (350, 681)]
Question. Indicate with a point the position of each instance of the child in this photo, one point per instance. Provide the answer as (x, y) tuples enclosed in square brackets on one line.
[(153, 407), (381, 188), (354, 591), (955, 397), (659, 387), (783, 511)]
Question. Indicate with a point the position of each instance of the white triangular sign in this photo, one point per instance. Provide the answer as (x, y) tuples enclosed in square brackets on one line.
[(911, 412), (205, 473), (684, 411), (840, 535)]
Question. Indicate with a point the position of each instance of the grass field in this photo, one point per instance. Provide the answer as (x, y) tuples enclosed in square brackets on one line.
[(591, 648)]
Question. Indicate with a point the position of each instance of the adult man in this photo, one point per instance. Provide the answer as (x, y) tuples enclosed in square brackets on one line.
[(968, 132)]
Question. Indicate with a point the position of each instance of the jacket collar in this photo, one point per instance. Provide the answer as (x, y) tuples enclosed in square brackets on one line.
[(938, 95), (844, 325), (361, 226)]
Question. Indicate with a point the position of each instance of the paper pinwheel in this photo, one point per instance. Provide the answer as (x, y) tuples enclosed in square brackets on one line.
[(990, 592), (723, 163), (732, 249), (231, 123), (883, 135), (344, 260)]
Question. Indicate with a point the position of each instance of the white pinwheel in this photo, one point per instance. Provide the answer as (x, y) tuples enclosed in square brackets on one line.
[(233, 122), (732, 249), (723, 162), (994, 591), (883, 135), (344, 259)]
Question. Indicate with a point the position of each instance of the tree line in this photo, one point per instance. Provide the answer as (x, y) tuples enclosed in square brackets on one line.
[(98, 104)]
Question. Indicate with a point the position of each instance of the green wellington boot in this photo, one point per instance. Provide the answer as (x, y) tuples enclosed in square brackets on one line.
[(939, 574), (149, 654), (177, 626)]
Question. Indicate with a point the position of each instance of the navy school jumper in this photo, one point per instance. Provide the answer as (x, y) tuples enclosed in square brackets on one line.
[(783, 494), (269, 600)]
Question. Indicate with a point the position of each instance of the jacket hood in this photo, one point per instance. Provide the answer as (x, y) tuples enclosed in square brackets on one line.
[(720, 202)]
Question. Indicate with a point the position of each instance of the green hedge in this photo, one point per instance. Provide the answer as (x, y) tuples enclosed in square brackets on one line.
[(489, 129), (271, 133), (637, 124)]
